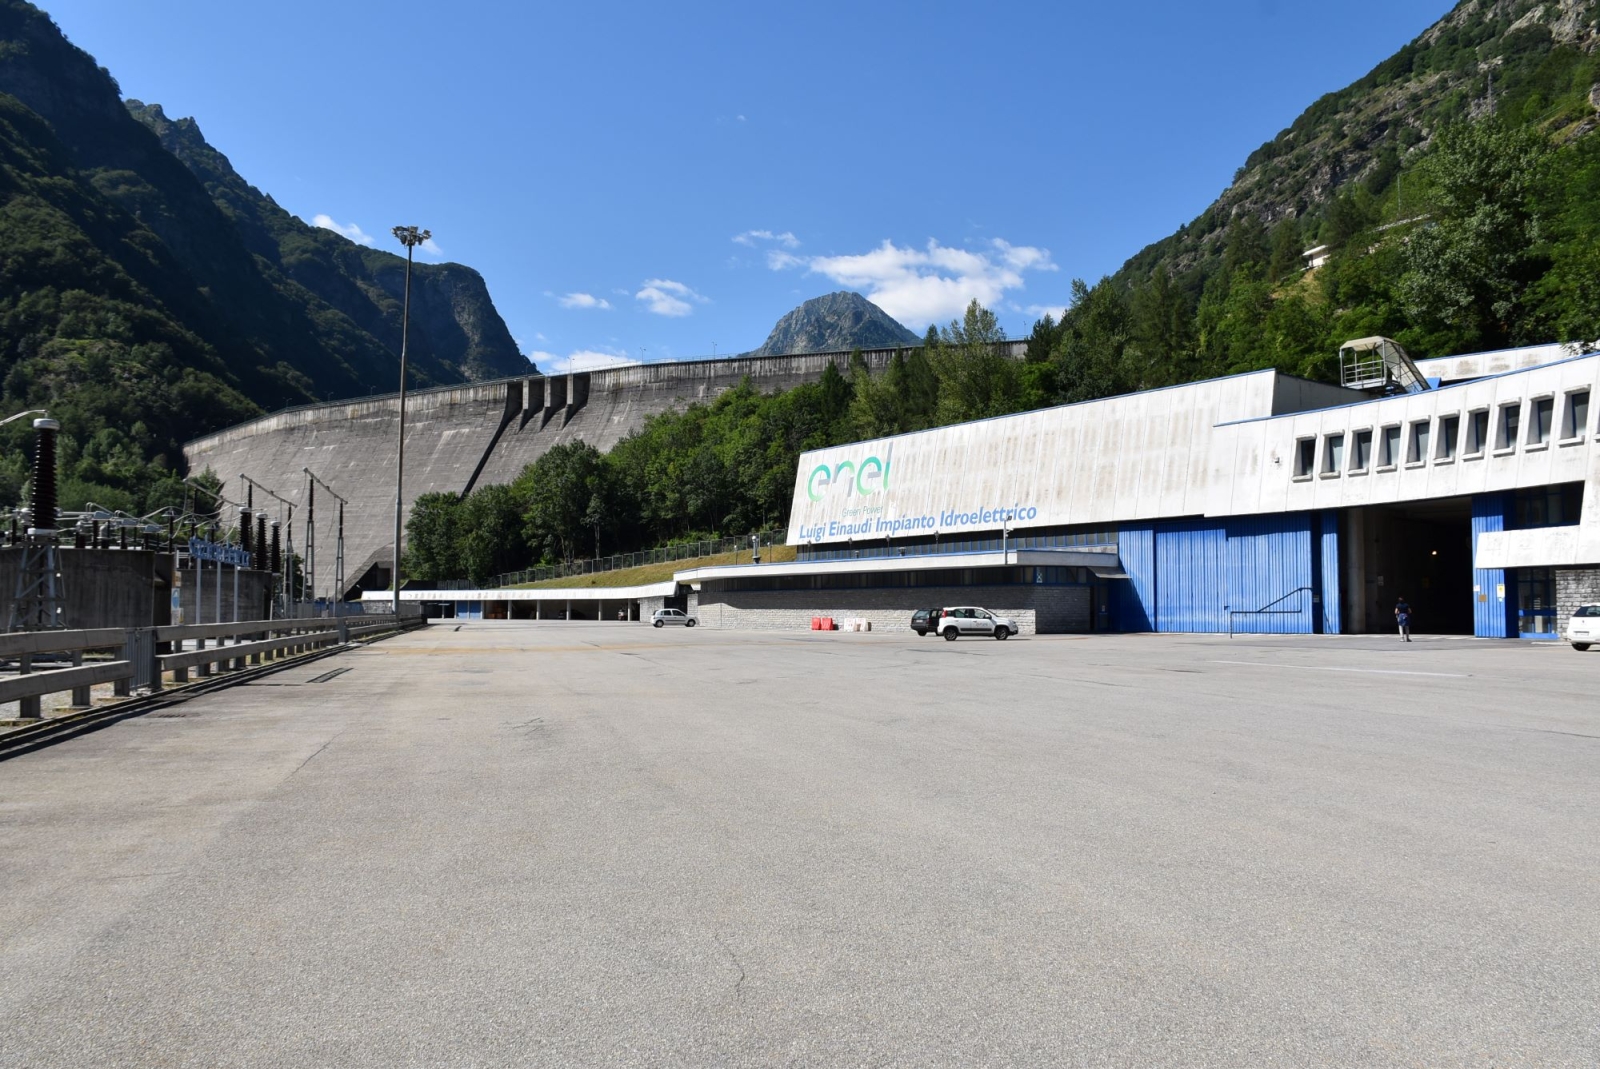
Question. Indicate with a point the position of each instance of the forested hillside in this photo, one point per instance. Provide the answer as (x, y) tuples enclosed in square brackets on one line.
[(1453, 187), (146, 299), (1456, 189)]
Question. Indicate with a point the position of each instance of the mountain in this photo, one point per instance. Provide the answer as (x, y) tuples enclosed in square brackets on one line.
[(1449, 199), (149, 294), (353, 292), (1527, 63), (834, 323)]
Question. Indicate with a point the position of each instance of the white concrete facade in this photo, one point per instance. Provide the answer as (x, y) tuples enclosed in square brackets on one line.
[(1257, 465), (1250, 444), (1138, 456)]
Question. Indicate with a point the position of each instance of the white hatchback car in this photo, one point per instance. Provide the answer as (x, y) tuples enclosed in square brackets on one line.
[(971, 620), (663, 617), (1583, 630)]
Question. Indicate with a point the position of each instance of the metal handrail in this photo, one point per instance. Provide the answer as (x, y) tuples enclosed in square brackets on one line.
[(1267, 609)]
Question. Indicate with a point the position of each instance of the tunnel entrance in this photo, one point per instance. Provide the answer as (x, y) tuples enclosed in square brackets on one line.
[(1421, 551)]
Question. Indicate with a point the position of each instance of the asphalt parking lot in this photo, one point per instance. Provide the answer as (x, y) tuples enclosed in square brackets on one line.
[(583, 844)]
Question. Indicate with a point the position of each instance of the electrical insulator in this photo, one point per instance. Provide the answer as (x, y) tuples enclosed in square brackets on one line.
[(44, 475), (260, 562), (277, 550)]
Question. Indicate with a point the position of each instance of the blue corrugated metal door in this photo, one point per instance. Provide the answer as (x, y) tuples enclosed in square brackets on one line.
[(1135, 604), (1191, 577), (1494, 606), (1259, 567), (1270, 574), (1330, 573)]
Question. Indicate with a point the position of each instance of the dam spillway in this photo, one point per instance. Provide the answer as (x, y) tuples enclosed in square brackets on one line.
[(460, 437)]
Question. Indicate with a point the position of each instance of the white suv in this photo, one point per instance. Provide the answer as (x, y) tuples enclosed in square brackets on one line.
[(971, 620), (1583, 630), (663, 617)]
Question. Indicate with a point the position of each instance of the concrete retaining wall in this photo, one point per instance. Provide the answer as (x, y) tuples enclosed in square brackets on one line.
[(1574, 587), (1037, 609), (255, 596)]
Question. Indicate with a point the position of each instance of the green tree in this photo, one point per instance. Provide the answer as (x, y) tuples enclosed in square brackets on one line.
[(433, 548), (557, 490), (976, 378), (490, 533), (878, 408), (1094, 340), (1468, 276)]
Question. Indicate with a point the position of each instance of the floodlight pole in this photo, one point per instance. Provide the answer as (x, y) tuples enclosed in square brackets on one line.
[(410, 237)]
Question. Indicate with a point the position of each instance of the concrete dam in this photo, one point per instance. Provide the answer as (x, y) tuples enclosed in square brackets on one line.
[(459, 437)]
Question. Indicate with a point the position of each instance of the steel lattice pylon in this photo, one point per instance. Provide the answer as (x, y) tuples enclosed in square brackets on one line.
[(40, 593)]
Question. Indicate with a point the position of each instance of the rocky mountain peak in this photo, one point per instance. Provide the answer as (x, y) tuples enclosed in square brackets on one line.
[(833, 323)]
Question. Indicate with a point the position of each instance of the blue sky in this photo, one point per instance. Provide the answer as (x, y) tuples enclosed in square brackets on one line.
[(665, 180)]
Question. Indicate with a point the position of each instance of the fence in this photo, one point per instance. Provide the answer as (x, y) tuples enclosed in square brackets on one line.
[(659, 555), (142, 657)]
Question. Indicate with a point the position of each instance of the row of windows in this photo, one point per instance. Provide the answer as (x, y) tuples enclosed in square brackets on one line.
[(916, 547), (1442, 440), (942, 577)]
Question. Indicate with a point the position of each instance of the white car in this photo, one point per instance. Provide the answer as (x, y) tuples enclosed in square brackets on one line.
[(971, 620), (663, 617), (1583, 630)]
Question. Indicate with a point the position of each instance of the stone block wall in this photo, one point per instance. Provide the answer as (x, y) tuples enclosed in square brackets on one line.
[(1036, 609), (1574, 587)]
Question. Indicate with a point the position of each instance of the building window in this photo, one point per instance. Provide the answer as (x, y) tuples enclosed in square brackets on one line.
[(1361, 451), (1576, 422), (1389, 449), (1333, 454), (1510, 420), (1305, 457), (1449, 436), (1549, 506), (1477, 432), (1541, 420), (1419, 443)]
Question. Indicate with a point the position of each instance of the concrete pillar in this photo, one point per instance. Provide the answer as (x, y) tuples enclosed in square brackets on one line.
[(81, 696), (1353, 550), (28, 708)]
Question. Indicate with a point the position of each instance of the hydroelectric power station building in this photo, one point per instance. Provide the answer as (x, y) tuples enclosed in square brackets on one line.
[(1253, 503)]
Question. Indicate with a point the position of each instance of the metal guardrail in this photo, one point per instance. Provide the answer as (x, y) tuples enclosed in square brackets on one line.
[(1268, 609), (140, 662)]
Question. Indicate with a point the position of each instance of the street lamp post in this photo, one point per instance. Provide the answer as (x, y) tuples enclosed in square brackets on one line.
[(410, 237)]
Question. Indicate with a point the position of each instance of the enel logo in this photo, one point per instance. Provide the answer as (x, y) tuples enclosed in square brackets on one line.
[(868, 477)]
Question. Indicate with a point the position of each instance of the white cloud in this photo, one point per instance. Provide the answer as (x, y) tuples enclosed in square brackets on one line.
[(431, 247), (664, 297), (750, 237), (581, 300), (353, 232), (930, 285), (1054, 311), (579, 360)]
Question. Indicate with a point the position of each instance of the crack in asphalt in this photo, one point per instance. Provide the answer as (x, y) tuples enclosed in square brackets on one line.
[(738, 985)]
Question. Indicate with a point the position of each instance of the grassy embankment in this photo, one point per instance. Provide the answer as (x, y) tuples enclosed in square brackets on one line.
[(659, 573)]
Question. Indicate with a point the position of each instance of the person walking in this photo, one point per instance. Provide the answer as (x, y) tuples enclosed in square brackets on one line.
[(1402, 618)]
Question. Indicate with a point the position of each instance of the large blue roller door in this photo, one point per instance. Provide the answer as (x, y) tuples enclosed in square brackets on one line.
[(1262, 573), (1191, 577)]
